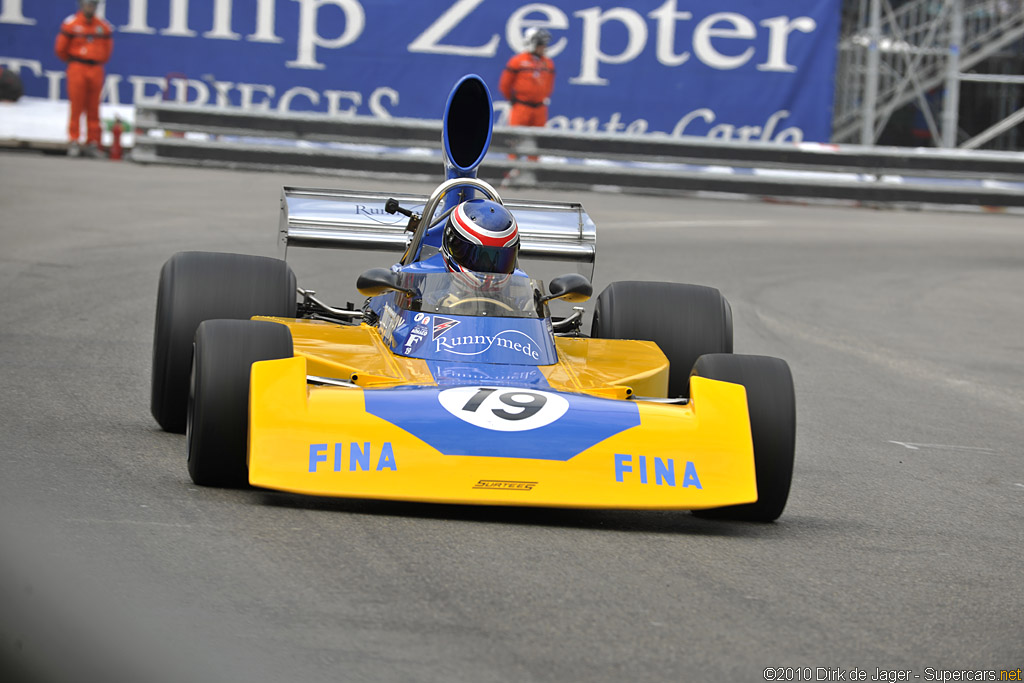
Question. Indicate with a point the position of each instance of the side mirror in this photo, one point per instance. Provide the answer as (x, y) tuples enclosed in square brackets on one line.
[(379, 280), (571, 287)]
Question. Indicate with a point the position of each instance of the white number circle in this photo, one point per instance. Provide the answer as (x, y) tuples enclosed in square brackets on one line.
[(503, 409)]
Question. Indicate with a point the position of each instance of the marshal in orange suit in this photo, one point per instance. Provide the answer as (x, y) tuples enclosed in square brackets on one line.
[(85, 42), (527, 81)]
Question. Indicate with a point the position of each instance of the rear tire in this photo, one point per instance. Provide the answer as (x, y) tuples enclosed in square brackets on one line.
[(685, 321), (218, 402), (771, 402), (197, 286)]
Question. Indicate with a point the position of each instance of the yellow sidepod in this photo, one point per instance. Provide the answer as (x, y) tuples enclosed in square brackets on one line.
[(352, 353), (616, 368)]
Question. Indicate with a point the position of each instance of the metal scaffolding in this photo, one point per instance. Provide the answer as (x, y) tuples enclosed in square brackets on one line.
[(892, 54)]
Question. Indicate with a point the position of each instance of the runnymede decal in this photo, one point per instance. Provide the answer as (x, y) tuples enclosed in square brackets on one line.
[(476, 344), (452, 373), (503, 409), (491, 340)]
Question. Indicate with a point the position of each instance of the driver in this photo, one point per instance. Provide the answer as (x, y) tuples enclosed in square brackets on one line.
[(481, 237), (480, 247)]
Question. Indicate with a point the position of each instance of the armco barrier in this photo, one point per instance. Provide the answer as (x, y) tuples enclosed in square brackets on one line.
[(410, 148)]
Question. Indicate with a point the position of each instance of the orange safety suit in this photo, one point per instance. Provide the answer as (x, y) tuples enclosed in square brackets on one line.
[(85, 44), (527, 82)]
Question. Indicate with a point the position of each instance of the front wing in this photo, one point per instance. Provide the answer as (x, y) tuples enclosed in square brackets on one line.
[(490, 445)]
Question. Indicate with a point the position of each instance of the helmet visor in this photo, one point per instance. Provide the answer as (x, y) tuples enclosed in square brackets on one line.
[(481, 259)]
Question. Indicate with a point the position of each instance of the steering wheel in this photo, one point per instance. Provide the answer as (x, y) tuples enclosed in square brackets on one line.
[(481, 300)]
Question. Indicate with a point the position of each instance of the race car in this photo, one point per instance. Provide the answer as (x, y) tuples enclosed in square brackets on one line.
[(481, 396)]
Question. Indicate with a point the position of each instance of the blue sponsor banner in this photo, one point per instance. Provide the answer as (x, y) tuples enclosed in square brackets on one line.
[(727, 69)]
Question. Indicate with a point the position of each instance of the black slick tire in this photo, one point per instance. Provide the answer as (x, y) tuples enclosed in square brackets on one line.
[(685, 321), (218, 403), (771, 402), (197, 286)]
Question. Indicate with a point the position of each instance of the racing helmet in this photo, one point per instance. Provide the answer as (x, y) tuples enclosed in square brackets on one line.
[(480, 236), (537, 36)]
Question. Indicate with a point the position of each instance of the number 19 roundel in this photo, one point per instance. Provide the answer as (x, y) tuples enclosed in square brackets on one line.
[(503, 409)]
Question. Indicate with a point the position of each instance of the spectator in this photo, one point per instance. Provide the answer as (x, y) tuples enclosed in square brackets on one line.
[(527, 82), (85, 42)]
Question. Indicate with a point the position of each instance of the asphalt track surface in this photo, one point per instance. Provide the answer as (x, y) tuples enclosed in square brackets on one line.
[(901, 547)]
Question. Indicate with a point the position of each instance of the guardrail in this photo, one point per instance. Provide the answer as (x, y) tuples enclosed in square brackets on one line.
[(410, 148)]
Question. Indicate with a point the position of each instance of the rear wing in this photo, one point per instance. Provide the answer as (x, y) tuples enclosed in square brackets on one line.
[(349, 219)]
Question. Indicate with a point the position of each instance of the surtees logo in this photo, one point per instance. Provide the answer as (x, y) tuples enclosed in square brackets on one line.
[(493, 484), (475, 341)]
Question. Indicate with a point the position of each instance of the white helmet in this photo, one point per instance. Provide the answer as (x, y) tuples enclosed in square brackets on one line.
[(537, 36)]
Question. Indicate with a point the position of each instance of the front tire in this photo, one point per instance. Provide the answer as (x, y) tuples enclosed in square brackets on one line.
[(685, 321), (218, 403), (771, 403), (197, 286)]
